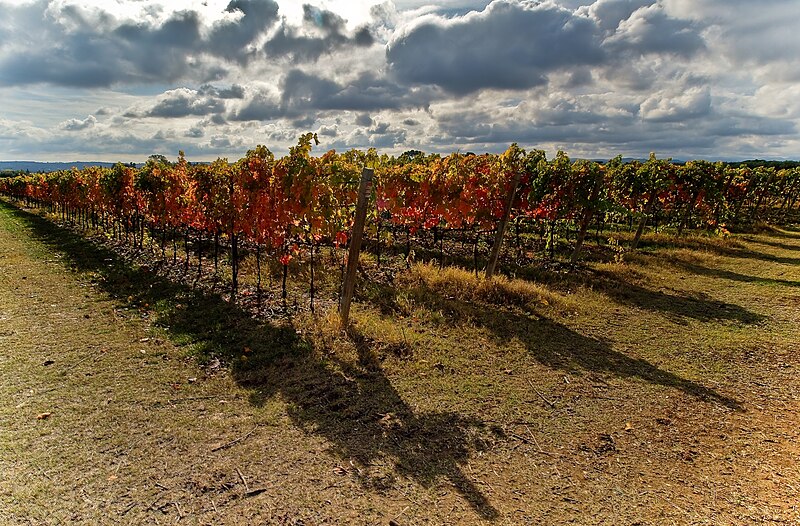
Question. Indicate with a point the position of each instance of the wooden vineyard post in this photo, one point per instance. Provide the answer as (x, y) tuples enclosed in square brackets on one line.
[(501, 227), (349, 285), (587, 214)]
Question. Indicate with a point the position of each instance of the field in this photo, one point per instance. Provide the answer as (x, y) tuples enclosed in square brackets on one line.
[(662, 389)]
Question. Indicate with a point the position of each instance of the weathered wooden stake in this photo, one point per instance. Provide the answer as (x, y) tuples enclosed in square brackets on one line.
[(349, 285), (501, 227), (586, 217)]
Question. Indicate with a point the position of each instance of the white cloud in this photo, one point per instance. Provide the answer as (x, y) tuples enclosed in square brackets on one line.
[(77, 124), (677, 107)]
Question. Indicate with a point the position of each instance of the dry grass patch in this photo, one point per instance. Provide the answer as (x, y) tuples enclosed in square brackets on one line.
[(463, 285)]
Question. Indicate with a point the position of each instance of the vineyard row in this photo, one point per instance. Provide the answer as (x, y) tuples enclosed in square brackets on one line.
[(288, 206)]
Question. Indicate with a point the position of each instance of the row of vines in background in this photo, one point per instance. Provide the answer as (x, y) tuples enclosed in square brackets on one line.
[(292, 206)]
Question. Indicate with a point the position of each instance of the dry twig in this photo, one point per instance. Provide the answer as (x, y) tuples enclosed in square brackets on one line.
[(244, 481), (551, 404), (234, 441)]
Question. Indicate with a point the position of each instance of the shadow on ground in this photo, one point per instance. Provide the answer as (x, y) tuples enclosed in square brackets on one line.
[(557, 346), (776, 244), (786, 231), (628, 289), (733, 276), (713, 245), (673, 304), (353, 405)]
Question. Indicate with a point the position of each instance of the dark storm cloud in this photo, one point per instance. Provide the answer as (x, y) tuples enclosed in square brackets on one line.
[(650, 31), (302, 90), (221, 142), (367, 92), (36, 67), (232, 40), (48, 54), (637, 76), (260, 107), (381, 128), (87, 49), (579, 77), (184, 102), (609, 13), (218, 120), (556, 120), (304, 121), (363, 119), (384, 135), (181, 31), (328, 131), (322, 32), (750, 125), (509, 45), (302, 93), (363, 37), (236, 91), (195, 132)]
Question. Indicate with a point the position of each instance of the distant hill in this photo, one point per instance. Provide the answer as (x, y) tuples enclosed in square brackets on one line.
[(779, 165), (35, 166), (7, 167)]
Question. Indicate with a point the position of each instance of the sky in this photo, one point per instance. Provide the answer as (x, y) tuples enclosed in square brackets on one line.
[(122, 80)]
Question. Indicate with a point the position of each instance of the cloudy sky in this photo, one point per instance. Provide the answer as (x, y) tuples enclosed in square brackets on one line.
[(120, 80)]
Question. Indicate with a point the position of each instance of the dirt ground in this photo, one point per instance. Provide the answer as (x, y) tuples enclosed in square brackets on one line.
[(662, 390)]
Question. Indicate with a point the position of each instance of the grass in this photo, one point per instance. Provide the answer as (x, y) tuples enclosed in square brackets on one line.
[(656, 390)]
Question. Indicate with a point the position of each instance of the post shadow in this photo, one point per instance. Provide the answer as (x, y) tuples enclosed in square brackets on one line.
[(363, 417)]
